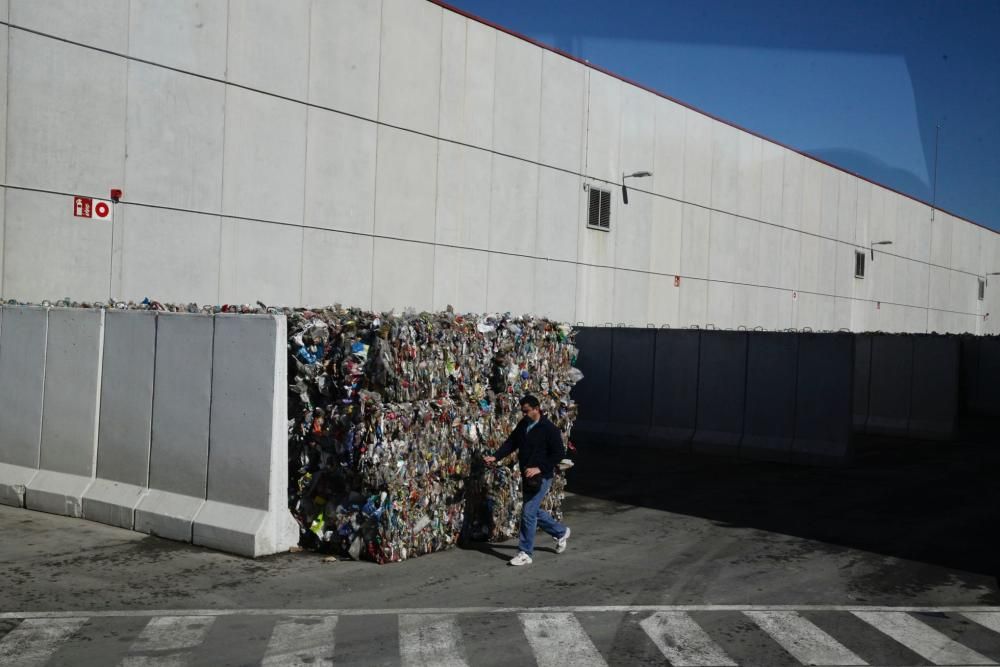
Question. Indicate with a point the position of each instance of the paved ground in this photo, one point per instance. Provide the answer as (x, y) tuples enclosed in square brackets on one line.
[(888, 561)]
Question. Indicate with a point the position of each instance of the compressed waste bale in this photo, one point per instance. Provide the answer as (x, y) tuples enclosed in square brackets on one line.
[(392, 414)]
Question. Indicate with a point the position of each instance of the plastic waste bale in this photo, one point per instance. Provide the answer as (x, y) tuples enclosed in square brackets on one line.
[(392, 414)]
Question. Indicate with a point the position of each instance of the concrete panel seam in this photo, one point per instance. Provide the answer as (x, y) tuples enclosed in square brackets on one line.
[(746, 390), (378, 114), (6, 168), (152, 399), (100, 380), (305, 157), (697, 383), (211, 401), (45, 359)]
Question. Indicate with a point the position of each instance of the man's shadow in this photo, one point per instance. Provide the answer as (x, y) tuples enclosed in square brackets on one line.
[(501, 551)]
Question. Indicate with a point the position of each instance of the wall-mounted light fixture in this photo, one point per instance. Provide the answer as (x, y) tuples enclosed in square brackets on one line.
[(638, 174), (872, 247)]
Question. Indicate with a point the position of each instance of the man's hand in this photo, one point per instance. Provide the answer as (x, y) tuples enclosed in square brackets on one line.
[(531, 472), (489, 460)]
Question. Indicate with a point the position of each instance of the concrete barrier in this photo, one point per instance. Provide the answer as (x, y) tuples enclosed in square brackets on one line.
[(22, 374), (178, 457), (721, 391), (824, 399), (246, 508), (862, 378), (988, 386), (934, 402), (592, 393), (890, 385), (968, 392), (674, 408), (769, 417), (631, 395), (126, 416), (70, 406)]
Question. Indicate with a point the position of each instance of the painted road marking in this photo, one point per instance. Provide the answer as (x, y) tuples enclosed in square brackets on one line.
[(430, 640), (168, 633), (485, 610), (799, 636), (922, 639), (35, 640), (558, 640), (989, 619), (301, 640), (682, 641)]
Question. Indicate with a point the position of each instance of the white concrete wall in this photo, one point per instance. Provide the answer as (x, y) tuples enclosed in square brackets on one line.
[(393, 154)]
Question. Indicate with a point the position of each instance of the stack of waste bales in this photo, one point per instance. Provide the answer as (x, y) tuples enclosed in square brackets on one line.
[(391, 416)]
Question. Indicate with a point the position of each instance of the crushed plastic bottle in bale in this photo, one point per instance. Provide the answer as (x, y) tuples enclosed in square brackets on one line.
[(391, 415)]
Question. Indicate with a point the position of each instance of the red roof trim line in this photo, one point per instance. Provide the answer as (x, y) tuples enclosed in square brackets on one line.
[(541, 45)]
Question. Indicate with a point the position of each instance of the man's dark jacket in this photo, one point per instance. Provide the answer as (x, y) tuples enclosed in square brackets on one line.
[(541, 447)]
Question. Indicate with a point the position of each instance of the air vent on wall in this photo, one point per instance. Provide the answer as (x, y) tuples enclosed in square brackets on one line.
[(599, 211)]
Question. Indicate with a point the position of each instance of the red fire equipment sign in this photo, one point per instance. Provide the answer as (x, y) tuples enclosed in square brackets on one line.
[(88, 207)]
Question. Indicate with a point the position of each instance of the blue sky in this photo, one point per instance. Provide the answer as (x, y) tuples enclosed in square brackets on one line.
[(859, 83)]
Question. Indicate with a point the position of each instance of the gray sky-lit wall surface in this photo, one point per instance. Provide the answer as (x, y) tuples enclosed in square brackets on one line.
[(863, 85), (398, 154)]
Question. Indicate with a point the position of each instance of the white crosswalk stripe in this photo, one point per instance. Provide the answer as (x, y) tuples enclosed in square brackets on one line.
[(799, 636), (176, 634), (554, 638), (430, 640), (682, 641), (922, 639), (558, 640), (988, 619), (301, 640), (36, 639)]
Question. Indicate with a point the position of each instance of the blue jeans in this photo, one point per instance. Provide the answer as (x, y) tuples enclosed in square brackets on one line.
[(532, 516)]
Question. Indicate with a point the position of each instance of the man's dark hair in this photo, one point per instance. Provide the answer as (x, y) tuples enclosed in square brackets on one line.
[(530, 401)]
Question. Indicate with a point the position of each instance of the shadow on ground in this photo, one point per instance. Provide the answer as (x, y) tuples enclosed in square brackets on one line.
[(935, 503)]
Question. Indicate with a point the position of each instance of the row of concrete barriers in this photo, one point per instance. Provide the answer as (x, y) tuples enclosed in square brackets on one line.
[(782, 396), (919, 386), (169, 424)]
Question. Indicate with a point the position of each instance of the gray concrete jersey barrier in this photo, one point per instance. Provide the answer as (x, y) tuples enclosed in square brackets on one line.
[(824, 399), (172, 424), (125, 417), (722, 371), (769, 415), (890, 384), (23, 333), (71, 403), (935, 388), (674, 410)]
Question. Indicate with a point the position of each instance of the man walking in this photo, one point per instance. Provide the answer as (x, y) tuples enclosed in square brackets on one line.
[(539, 448)]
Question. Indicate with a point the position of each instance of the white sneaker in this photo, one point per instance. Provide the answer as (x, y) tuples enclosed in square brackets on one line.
[(520, 559), (561, 542)]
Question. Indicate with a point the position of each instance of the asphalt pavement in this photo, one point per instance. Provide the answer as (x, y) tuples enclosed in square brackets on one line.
[(663, 543)]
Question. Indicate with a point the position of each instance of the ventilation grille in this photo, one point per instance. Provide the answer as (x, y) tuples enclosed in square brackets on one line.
[(599, 212)]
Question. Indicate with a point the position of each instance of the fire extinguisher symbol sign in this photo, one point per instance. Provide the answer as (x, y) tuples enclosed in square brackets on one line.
[(88, 207), (82, 207)]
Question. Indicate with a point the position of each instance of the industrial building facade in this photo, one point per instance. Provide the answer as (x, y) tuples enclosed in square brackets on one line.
[(395, 154)]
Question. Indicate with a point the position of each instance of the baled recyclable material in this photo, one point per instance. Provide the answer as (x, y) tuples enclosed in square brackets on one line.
[(392, 414)]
